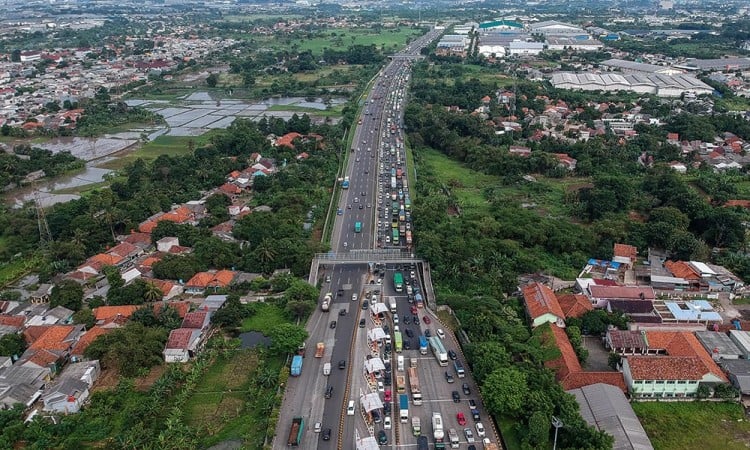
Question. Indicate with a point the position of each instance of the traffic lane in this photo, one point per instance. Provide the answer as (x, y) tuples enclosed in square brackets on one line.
[(345, 327)]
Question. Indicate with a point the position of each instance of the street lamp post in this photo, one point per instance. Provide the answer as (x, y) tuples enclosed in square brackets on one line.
[(557, 423)]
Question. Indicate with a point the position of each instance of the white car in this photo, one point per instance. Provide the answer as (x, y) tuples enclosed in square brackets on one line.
[(381, 388), (441, 333), (480, 429), (469, 435), (355, 297), (318, 427), (395, 319), (350, 408), (387, 423)]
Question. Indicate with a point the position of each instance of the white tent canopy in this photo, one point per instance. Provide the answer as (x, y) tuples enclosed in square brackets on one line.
[(374, 365), (376, 334), (377, 308), (371, 402)]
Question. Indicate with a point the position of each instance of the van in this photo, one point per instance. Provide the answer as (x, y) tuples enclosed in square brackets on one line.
[(350, 408), (400, 363), (327, 369), (453, 436)]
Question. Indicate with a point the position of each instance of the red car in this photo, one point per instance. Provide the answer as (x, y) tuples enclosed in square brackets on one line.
[(426, 320), (388, 395), (413, 309), (461, 419)]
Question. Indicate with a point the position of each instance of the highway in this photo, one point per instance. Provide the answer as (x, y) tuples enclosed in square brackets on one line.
[(376, 197)]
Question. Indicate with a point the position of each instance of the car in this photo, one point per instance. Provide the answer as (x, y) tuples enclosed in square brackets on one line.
[(386, 329), (387, 396), (387, 381), (407, 345), (408, 331), (328, 278), (387, 423), (461, 419), (363, 193), (406, 320), (415, 319), (318, 427), (427, 333), (382, 437), (329, 392), (472, 404), (471, 447), (465, 388), (387, 409), (480, 429), (395, 319), (426, 320), (369, 205), (440, 333), (376, 416), (365, 304), (340, 293), (381, 388), (456, 397), (361, 323), (413, 309), (423, 442), (342, 312), (452, 355), (350, 408), (361, 206), (342, 364), (356, 199), (339, 212), (333, 324), (449, 377), (348, 206), (327, 434), (469, 435)]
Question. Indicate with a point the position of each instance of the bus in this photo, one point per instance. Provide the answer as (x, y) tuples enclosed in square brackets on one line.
[(439, 351), (398, 281), (399, 341), (357, 227), (395, 235)]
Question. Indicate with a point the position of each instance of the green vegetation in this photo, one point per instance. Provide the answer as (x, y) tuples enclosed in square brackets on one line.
[(102, 115), (265, 317), (162, 145), (694, 425), (26, 159)]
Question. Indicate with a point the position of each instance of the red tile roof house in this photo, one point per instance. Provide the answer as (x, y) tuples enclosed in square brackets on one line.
[(209, 281), (182, 345), (50, 346), (675, 366), (542, 305)]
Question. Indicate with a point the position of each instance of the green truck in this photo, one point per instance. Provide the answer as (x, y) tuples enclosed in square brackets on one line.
[(295, 434), (398, 281)]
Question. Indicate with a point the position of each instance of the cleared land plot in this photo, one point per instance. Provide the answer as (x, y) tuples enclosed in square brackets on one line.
[(694, 425), (265, 318), (162, 145)]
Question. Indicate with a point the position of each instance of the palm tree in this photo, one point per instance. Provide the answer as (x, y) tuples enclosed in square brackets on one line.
[(153, 293), (266, 251)]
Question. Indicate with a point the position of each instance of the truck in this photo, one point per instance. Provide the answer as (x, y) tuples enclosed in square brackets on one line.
[(295, 433), (418, 299), (357, 227), (327, 369), (459, 369), (422, 345), (403, 404), (393, 182), (416, 426), (398, 339), (395, 236), (296, 366), (491, 446), (439, 350), (437, 427), (392, 304), (398, 281), (401, 384), (345, 183), (416, 392), (408, 238), (326, 304), (399, 173), (407, 200), (320, 349)]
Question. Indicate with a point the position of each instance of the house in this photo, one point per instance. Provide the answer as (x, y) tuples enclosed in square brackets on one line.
[(542, 305), (566, 161), (607, 409), (182, 345), (629, 299), (287, 140), (626, 342), (41, 295), (738, 371), (50, 346), (76, 354), (141, 240), (718, 345), (169, 289), (106, 314), (674, 367), (166, 243), (625, 254), (199, 320), (574, 305), (21, 385), (71, 389), (209, 281)]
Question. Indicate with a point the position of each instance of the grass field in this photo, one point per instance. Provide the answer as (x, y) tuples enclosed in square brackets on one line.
[(341, 39), (13, 270), (329, 112), (266, 317), (162, 145), (694, 425)]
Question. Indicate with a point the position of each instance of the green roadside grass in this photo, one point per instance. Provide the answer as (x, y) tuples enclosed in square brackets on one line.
[(694, 425), (266, 317), (162, 145)]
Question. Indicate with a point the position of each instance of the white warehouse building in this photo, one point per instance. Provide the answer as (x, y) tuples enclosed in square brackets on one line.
[(657, 84)]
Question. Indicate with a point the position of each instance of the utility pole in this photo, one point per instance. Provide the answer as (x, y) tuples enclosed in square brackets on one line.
[(557, 423)]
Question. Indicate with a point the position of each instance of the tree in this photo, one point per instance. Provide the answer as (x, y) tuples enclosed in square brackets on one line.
[(85, 317), (487, 357), (129, 349), (67, 293), (299, 309), (505, 390), (232, 314), (212, 80), (285, 338), (539, 425), (153, 292), (12, 345)]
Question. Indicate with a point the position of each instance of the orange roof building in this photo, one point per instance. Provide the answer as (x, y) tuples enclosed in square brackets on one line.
[(681, 269), (625, 252), (56, 338), (104, 313), (86, 340), (541, 304), (203, 281), (574, 305), (287, 140)]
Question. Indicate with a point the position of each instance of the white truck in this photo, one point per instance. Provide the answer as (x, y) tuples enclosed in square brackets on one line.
[(392, 304), (416, 426), (327, 369), (437, 427), (326, 304)]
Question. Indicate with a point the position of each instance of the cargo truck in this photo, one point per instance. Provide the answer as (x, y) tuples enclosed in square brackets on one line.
[(296, 366), (320, 349), (439, 351), (422, 345), (295, 433), (416, 392), (393, 182), (392, 304), (326, 304), (398, 339), (398, 281), (416, 426), (401, 384)]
